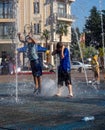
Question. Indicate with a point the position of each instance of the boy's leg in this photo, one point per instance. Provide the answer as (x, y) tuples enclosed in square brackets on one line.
[(59, 91), (39, 83), (70, 90), (60, 83), (36, 84), (68, 83)]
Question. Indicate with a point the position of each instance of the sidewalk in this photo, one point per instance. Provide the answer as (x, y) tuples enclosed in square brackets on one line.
[(28, 76)]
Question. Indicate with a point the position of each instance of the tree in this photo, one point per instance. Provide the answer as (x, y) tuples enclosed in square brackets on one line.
[(93, 29), (89, 52), (73, 35), (46, 35), (62, 29), (103, 13), (74, 48)]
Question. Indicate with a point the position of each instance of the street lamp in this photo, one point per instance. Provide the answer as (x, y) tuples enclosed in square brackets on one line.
[(29, 28)]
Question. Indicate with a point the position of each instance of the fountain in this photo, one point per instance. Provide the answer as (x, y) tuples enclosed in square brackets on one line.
[(81, 56), (16, 11)]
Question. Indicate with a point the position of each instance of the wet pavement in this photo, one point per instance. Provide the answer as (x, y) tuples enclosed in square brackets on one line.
[(47, 112)]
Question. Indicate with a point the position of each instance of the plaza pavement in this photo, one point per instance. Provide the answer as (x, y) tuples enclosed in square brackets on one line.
[(32, 112)]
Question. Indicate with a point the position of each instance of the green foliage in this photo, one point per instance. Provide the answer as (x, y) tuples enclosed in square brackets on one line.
[(101, 52), (73, 35), (89, 51), (74, 48), (93, 26), (45, 36), (62, 29)]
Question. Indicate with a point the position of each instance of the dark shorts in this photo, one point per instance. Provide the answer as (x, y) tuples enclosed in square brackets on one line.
[(36, 67), (64, 77)]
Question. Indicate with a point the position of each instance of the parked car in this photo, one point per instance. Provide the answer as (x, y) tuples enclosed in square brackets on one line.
[(49, 67), (77, 65), (45, 66)]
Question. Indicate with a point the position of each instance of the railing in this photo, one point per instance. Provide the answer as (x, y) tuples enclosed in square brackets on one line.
[(4, 37), (71, 0), (55, 16), (6, 16), (63, 15), (67, 16)]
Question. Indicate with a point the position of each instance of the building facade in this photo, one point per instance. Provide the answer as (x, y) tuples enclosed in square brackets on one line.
[(35, 16)]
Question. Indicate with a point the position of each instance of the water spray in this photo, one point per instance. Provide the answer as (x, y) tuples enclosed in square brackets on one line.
[(16, 44), (103, 40), (81, 56)]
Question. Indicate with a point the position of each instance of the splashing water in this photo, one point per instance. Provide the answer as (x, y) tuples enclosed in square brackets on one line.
[(49, 87)]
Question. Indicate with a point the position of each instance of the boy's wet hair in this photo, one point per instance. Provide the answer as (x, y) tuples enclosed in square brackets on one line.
[(59, 45)]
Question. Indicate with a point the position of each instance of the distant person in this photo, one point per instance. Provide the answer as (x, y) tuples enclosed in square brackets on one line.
[(5, 68), (96, 68), (11, 66), (34, 61), (64, 68), (3, 63)]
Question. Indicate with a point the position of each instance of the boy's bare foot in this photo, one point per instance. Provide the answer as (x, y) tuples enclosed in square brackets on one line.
[(70, 96), (57, 95), (35, 91)]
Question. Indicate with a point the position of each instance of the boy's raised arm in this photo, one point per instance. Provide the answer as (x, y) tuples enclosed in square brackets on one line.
[(62, 52), (54, 52), (21, 38)]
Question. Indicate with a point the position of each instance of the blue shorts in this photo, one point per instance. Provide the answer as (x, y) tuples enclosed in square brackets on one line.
[(36, 67)]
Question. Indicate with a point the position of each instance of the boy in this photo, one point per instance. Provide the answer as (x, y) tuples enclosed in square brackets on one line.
[(64, 68), (34, 61)]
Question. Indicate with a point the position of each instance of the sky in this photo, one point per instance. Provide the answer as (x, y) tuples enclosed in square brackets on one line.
[(81, 9)]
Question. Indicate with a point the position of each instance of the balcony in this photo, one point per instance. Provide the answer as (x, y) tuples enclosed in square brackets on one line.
[(37, 18), (5, 40), (7, 20), (4, 37), (65, 17), (66, 0), (71, 0), (62, 17)]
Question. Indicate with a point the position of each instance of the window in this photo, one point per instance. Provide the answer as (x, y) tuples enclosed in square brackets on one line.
[(6, 9), (61, 8), (37, 28), (4, 30), (36, 7)]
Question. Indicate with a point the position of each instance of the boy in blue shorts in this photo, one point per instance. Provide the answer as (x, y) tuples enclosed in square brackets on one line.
[(34, 61), (64, 68)]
